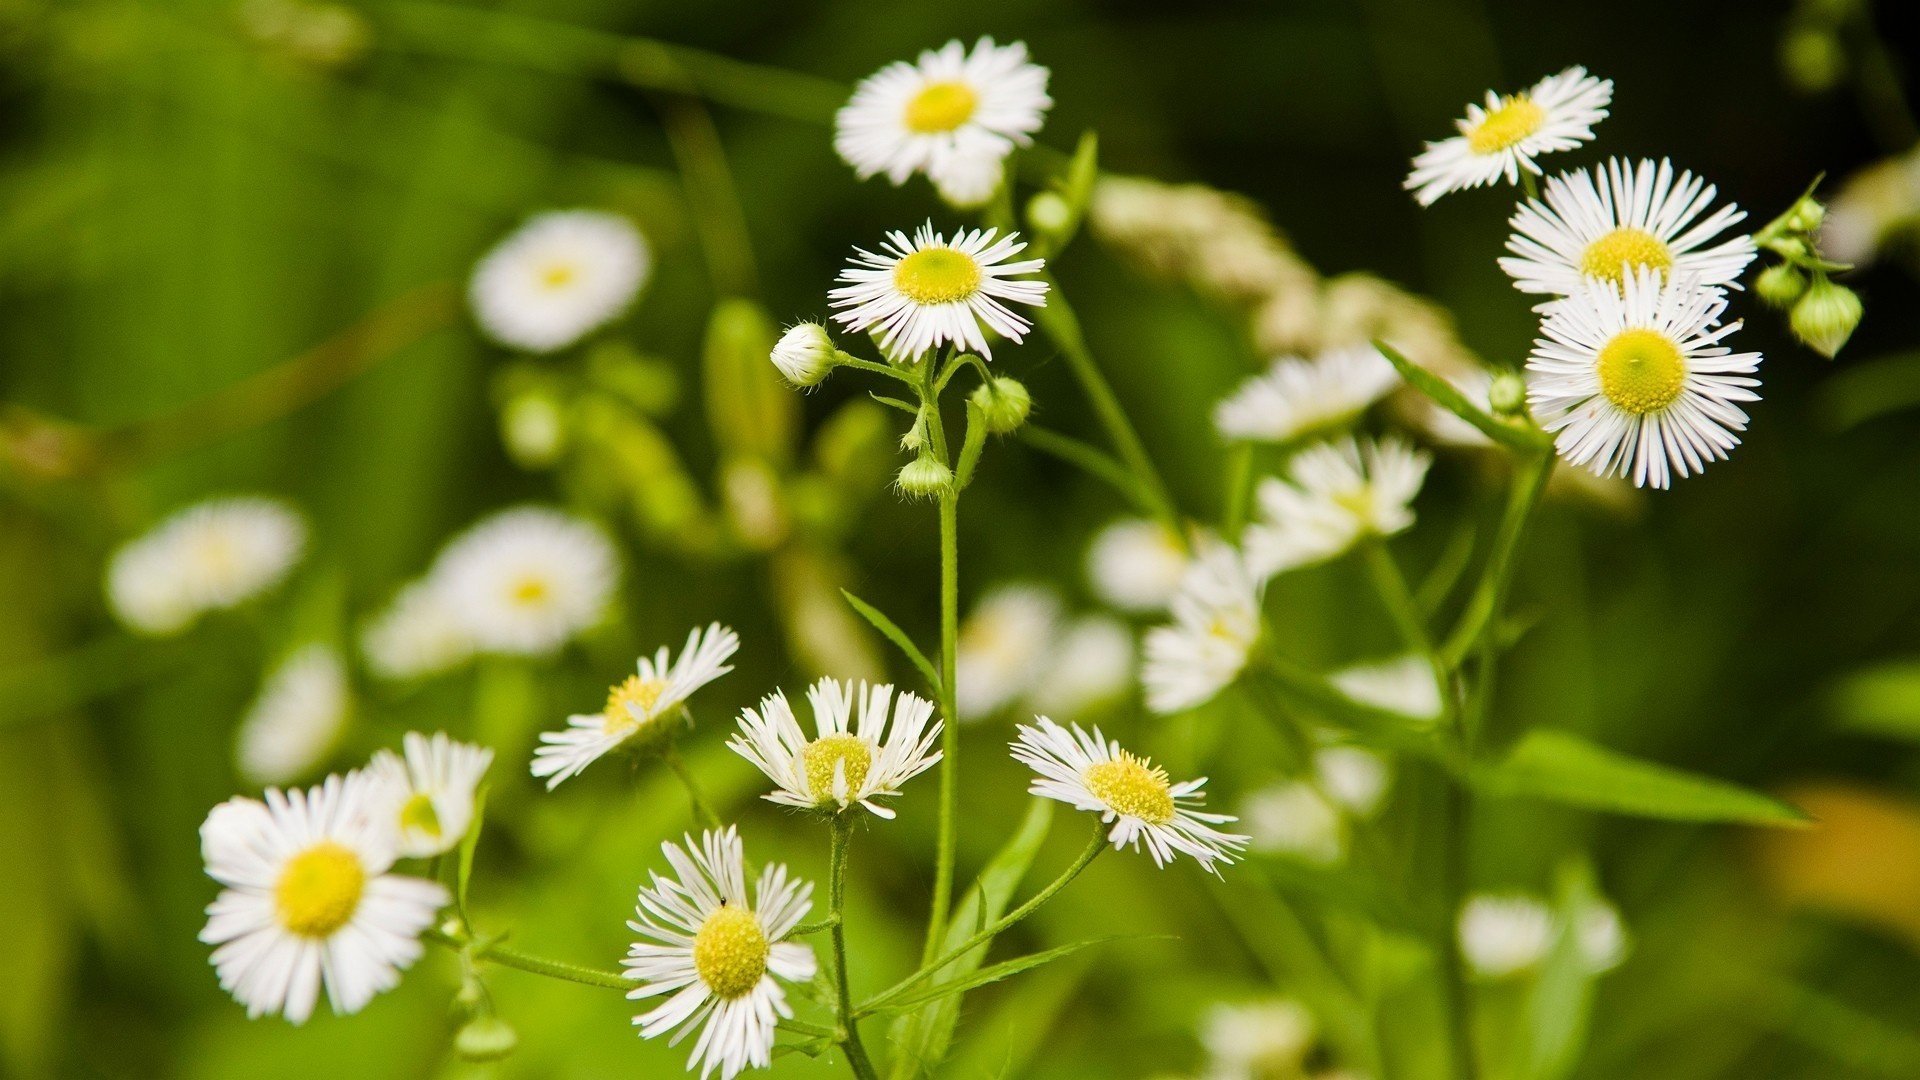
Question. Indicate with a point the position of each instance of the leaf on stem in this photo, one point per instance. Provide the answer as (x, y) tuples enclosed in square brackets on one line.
[(996, 972), (893, 633), (1090, 460), (976, 440), (1448, 397), (1562, 767)]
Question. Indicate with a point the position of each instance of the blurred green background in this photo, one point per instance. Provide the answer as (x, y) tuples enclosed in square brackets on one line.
[(186, 201)]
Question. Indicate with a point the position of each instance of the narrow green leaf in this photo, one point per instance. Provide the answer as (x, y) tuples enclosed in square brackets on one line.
[(1562, 767), (899, 637), (1089, 460), (1561, 1001), (1448, 397), (976, 440), (994, 973)]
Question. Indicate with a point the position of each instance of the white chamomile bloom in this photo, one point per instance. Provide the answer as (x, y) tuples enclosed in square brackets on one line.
[(416, 636), (1354, 777), (716, 954), (1606, 225), (1635, 383), (1335, 495), (1402, 684), (558, 277), (427, 795), (1004, 647), (1504, 136), (210, 556), (297, 718), (952, 114), (927, 291), (1295, 818), (1089, 772), (851, 759), (1216, 621), (639, 709), (1092, 667), (1248, 1040), (308, 900), (1298, 397), (525, 581), (1503, 934), (1136, 564)]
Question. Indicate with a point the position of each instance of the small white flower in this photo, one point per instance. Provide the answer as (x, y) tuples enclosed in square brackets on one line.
[(1216, 621), (1607, 225), (1257, 1039), (1297, 397), (850, 760), (1501, 935), (927, 291), (416, 636), (427, 796), (1355, 778), (716, 954), (805, 354), (1602, 936), (638, 709), (1004, 647), (952, 115), (1335, 495), (1636, 384), (1403, 684), (1092, 667), (210, 556), (1296, 818), (526, 580), (297, 718), (1089, 772), (1135, 564), (307, 900), (1504, 136), (558, 277)]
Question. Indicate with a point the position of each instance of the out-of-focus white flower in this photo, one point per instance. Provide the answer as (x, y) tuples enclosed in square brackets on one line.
[(1403, 684), (1135, 564), (416, 636), (1353, 777), (297, 718), (1257, 1040), (559, 277), (1503, 137), (1297, 397), (1335, 495), (210, 556), (1296, 818), (428, 795), (850, 760), (927, 291), (1216, 621), (1873, 206), (1503, 934), (1004, 647), (527, 580), (1091, 667)]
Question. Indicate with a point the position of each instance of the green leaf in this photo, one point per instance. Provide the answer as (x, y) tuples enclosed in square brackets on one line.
[(1561, 767), (976, 440), (898, 636), (463, 869), (751, 411), (1561, 1001), (1090, 460), (1448, 397), (996, 972), (1882, 700), (1868, 390)]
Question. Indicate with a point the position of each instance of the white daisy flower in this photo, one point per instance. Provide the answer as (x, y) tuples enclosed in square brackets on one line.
[(1602, 936), (1092, 667), (1605, 225), (416, 636), (1216, 621), (1089, 772), (849, 760), (639, 709), (427, 796), (1135, 564), (1335, 495), (1402, 684), (297, 718), (1004, 647), (1295, 818), (524, 581), (952, 115), (1353, 777), (308, 900), (1298, 397), (210, 556), (1504, 136), (1502, 934), (716, 954), (1257, 1039), (1635, 383), (926, 291), (558, 277)]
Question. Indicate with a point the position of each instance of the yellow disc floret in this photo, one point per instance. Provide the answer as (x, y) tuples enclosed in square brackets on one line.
[(631, 704), (1515, 119), (730, 951), (941, 107), (823, 756), (558, 275), (319, 890), (1623, 251), (937, 275), (1131, 786), (1641, 371)]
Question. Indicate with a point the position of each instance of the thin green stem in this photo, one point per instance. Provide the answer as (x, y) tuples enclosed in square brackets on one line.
[(1477, 619), (1398, 599), (845, 359), (718, 216), (849, 1033), (1453, 881), (812, 1031), (534, 965), (702, 810), (948, 837)]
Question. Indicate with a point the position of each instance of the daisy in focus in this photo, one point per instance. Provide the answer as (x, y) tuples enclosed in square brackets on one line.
[(1216, 622), (308, 900), (1503, 137), (953, 114), (1004, 647), (851, 759), (1297, 397), (427, 795), (559, 277), (1636, 384), (525, 581), (211, 556), (638, 710), (296, 720), (1607, 225), (1136, 564), (1335, 495), (1091, 773), (716, 955), (924, 292)]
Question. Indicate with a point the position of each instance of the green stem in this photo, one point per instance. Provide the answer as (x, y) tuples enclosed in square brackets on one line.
[(812, 1031), (1396, 596), (1528, 482), (849, 1033), (1239, 490), (702, 810), (948, 837), (1453, 881), (708, 181), (535, 965), (845, 359)]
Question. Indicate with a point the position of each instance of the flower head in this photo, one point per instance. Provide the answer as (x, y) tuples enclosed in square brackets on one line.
[(428, 795), (1004, 647), (1335, 495), (1402, 684), (1216, 621), (1270, 1038), (927, 291), (297, 718), (805, 354), (1091, 667), (525, 581), (558, 277), (1295, 818), (1298, 397), (416, 636), (210, 556), (851, 759), (1499, 139), (1135, 564)]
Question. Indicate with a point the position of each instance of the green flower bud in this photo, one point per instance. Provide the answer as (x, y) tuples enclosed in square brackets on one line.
[(1780, 284), (1508, 394), (1004, 403), (1806, 215), (916, 436), (485, 1038), (924, 478), (1048, 214), (1825, 317), (805, 354), (533, 427)]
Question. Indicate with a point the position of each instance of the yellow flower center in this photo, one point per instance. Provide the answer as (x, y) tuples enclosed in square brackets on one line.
[(937, 275), (530, 591), (1515, 119), (319, 890), (419, 815), (631, 703), (941, 106), (558, 275), (822, 756), (1623, 251), (1131, 786), (1641, 371), (730, 952)]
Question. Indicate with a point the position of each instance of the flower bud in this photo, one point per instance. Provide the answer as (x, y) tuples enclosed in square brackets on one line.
[(1508, 394), (485, 1038), (925, 478), (1825, 317), (916, 435), (1780, 284), (805, 354), (534, 430), (1806, 215), (1003, 403), (1048, 214)]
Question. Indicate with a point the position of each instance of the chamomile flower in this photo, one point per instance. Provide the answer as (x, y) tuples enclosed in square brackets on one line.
[(1216, 621), (927, 291), (297, 718), (558, 277), (717, 955), (1335, 495), (308, 900), (851, 759), (416, 636), (1298, 397), (210, 556), (427, 796), (1402, 684), (1635, 383), (526, 580), (1354, 777), (1504, 136), (1256, 1039), (1004, 647), (952, 114), (1092, 667), (639, 709), (1295, 818), (1135, 564), (1089, 772), (1503, 934), (1607, 224)]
